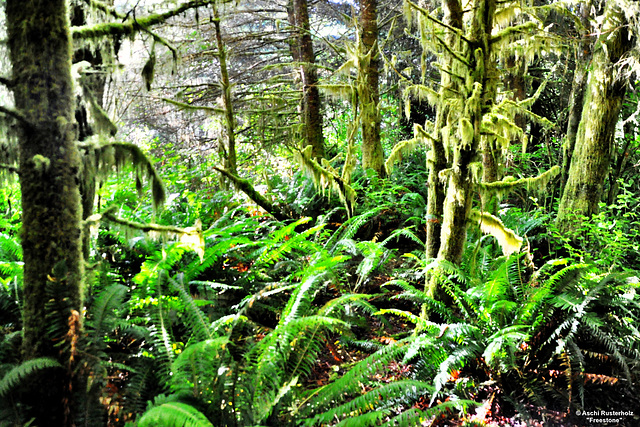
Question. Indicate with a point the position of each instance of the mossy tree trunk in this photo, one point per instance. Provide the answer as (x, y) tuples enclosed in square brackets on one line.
[(594, 143), (457, 205), (372, 153), (311, 103), (230, 162), (437, 161), (40, 51), (576, 101)]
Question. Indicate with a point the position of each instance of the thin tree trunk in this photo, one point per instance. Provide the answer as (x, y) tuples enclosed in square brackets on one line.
[(457, 205), (310, 94), (40, 51), (601, 110), (372, 153), (621, 162), (230, 163), (438, 160)]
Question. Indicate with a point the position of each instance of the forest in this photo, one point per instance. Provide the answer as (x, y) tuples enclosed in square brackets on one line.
[(319, 213)]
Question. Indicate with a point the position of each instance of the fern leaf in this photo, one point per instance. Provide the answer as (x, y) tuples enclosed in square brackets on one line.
[(174, 414), (19, 373)]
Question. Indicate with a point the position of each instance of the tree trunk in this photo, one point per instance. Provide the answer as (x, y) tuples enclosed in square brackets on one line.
[(40, 51), (601, 109), (576, 101), (372, 154), (230, 162), (438, 161), (312, 120)]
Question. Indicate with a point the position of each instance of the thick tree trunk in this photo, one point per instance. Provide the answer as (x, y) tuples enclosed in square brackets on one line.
[(372, 153), (595, 137), (312, 119), (40, 51), (576, 101)]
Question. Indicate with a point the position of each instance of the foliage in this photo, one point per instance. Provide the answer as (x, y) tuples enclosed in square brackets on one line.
[(323, 319)]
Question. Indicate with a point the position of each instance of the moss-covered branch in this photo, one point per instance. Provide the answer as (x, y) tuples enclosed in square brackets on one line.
[(190, 236), (7, 82), (109, 10), (508, 240), (109, 214), (247, 188), (509, 183), (16, 115), (133, 25), (10, 168), (185, 106), (509, 31), (426, 13)]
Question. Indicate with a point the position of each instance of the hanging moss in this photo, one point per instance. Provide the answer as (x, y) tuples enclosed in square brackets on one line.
[(508, 184), (401, 149), (133, 25), (508, 240), (246, 187), (325, 179), (101, 158)]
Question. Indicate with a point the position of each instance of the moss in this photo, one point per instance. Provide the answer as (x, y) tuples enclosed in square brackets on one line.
[(133, 25), (41, 164)]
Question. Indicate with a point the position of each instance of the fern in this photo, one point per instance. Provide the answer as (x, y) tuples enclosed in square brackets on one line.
[(174, 414), (349, 228), (374, 405), (350, 382), (18, 374)]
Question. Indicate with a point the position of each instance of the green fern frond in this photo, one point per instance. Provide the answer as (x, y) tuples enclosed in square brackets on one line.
[(406, 233), (174, 414), (101, 319), (376, 402), (195, 318), (201, 367), (288, 352), (20, 373), (349, 383), (350, 227), (348, 302)]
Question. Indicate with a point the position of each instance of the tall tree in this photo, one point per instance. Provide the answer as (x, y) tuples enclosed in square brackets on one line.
[(40, 50), (603, 98), (311, 104), (369, 92), (231, 164), (470, 123), (576, 101)]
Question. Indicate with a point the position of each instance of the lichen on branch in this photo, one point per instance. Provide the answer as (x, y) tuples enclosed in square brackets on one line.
[(133, 25)]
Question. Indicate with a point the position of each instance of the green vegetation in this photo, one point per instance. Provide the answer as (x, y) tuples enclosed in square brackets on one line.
[(237, 253)]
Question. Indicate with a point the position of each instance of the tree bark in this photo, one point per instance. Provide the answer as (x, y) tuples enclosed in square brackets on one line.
[(372, 153), (230, 162), (312, 119), (576, 101), (40, 51), (457, 205), (601, 110), (438, 161)]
